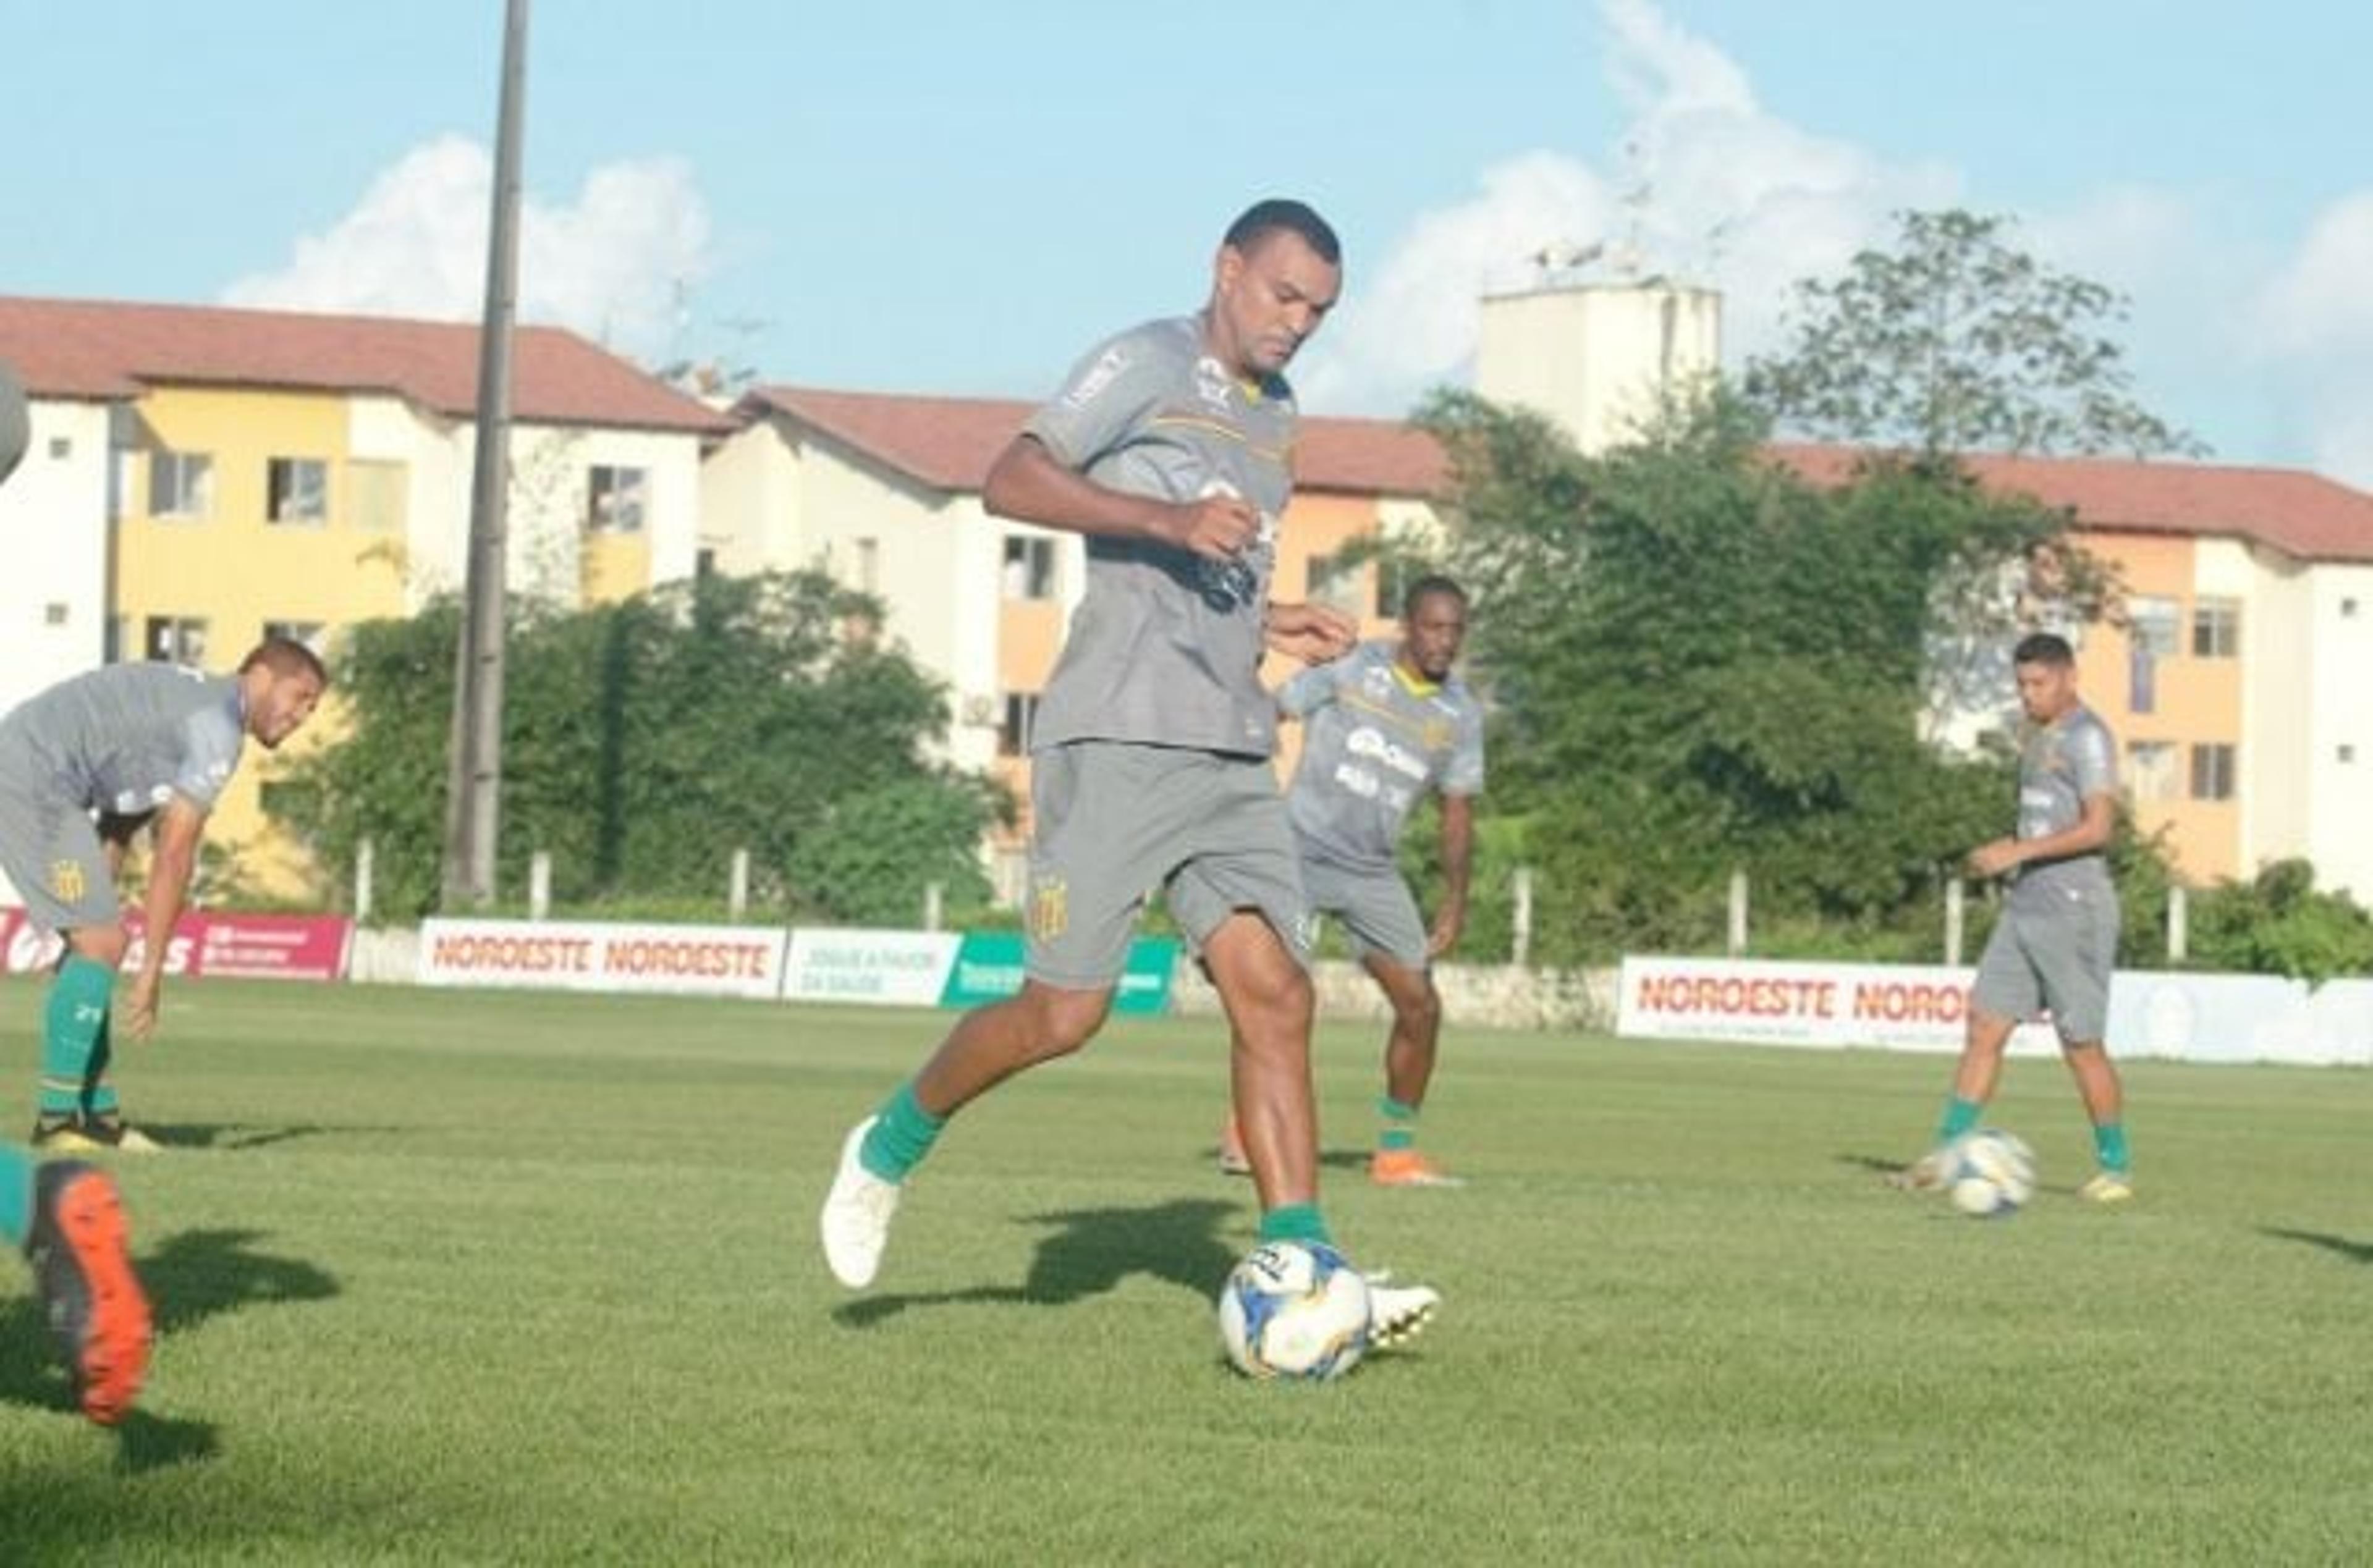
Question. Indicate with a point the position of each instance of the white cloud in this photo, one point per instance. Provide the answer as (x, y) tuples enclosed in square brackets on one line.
[(2314, 324), (1719, 192), (610, 264)]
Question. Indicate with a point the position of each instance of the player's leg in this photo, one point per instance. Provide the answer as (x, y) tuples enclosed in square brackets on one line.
[(100, 1114), (2075, 974), (1100, 814), (52, 854), (67, 1220), (1390, 937), (1240, 899), (2005, 991)]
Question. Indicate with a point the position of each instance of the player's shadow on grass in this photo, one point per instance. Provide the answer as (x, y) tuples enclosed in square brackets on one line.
[(236, 1136), (1090, 1253), (190, 1277), (2355, 1252)]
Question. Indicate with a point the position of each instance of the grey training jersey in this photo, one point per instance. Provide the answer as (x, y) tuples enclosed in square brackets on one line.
[(125, 739), (1374, 739), (1166, 647), (2059, 764)]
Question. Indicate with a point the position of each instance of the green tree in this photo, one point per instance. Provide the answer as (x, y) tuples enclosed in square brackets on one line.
[(1955, 342), (1699, 661), (646, 740)]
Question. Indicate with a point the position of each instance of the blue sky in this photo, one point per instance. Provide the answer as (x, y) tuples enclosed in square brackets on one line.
[(943, 197)]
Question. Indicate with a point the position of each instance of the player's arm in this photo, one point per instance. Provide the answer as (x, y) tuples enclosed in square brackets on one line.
[(1457, 863), (1030, 485), (1311, 633), (173, 863), (2094, 824)]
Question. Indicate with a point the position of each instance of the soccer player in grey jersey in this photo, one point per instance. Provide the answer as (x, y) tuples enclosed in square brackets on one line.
[(83, 767), (67, 1216), (2057, 940), (1382, 728), (1170, 448)]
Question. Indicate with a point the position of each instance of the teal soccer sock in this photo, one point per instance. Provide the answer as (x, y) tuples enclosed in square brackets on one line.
[(1400, 1124), (16, 1196), (903, 1132), (2109, 1147), (99, 1096), (1295, 1222), (73, 1024), (1961, 1115)]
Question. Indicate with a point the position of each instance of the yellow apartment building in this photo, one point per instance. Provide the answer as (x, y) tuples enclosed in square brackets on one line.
[(281, 473)]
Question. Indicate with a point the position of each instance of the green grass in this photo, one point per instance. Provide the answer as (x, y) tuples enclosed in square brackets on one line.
[(453, 1278)]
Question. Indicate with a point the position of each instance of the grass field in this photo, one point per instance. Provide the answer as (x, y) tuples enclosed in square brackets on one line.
[(450, 1278)]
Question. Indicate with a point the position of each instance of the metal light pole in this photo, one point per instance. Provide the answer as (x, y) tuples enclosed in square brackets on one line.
[(473, 794)]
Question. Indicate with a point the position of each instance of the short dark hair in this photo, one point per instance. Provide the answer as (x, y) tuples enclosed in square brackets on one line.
[(1429, 586), (286, 656), (1266, 217), (2044, 647)]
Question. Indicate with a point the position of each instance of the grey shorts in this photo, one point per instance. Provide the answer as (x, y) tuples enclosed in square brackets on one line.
[(50, 850), (1378, 912), (2056, 957), (1112, 822)]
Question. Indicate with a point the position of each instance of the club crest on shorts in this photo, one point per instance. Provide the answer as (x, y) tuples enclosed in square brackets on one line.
[(66, 882), (1050, 909)]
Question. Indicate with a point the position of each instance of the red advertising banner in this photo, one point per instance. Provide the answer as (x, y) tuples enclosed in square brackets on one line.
[(225, 947)]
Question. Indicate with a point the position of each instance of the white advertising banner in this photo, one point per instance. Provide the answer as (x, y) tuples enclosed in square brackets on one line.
[(1901, 1007), (900, 968), (2177, 1015), (556, 955)]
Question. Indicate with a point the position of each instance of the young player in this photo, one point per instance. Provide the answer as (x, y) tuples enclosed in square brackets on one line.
[(1170, 448), (2057, 940), (1380, 728)]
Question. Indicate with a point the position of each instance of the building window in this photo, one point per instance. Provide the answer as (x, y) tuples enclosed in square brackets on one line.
[(2348, 753), (704, 565), (614, 498), (2217, 629), (377, 496), (61, 446), (2152, 628), (297, 490), (2349, 608), (306, 632), (1029, 567), (175, 639), (55, 613), (2212, 772), (869, 564), (1013, 731), (2151, 768), (181, 484)]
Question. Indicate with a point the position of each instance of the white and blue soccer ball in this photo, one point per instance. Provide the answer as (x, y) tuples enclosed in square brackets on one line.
[(1294, 1310), (1990, 1174)]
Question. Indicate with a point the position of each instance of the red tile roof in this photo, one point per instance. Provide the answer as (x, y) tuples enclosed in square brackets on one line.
[(949, 443), (2303, 515), (104, 350)]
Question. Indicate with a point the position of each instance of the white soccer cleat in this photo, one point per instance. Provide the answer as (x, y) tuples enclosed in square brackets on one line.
[(1398, 1314), (857, 1213)]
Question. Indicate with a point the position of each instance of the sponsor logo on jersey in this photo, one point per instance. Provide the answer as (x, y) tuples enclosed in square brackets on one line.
[(1050, 911), (68, 883)]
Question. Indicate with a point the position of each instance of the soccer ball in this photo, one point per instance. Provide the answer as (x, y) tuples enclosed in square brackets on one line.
[(1991, 1175), (1294, 1310)]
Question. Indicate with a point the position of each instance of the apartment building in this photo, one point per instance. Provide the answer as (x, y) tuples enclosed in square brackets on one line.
[(201, 476)]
